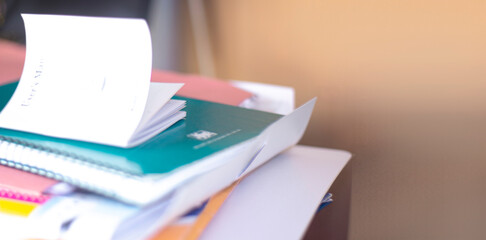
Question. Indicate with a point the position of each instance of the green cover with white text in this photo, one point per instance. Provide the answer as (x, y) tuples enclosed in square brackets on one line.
[(208, 128)]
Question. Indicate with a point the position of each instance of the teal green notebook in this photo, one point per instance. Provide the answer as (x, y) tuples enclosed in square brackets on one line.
[(208, 129)]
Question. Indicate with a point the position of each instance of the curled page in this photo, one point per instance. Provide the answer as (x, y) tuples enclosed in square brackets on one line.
[(84, 78)]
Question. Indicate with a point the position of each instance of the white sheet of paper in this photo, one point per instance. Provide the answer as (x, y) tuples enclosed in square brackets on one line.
[(159, 95), (84, 78), (279, 199), (16, 226), (61, 214), (268, 97)]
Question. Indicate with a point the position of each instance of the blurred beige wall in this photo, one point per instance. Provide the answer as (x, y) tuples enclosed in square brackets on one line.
[(400, 84)]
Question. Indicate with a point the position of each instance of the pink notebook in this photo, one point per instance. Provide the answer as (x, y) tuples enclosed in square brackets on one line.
[(203, 88), (12, 57), (23, 182), (24, 197)]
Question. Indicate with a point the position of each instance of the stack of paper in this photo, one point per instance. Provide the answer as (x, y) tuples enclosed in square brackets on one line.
[(85, 113)]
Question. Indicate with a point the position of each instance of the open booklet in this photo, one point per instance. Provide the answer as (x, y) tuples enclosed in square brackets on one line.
[(88, 79)]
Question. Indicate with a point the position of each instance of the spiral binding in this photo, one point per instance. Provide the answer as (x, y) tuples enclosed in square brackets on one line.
[(63, 166)]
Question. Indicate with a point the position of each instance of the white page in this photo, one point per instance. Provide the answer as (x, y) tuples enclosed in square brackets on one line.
[(61, 214), (48, 219), (13, 226), (268, 97), (81, 76), (279, 199), (172, 114), (159, 95)]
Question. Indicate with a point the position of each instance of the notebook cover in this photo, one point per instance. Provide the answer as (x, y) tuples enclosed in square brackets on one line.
[(203, 88), (16, 207), (26, 182), (167, 151)]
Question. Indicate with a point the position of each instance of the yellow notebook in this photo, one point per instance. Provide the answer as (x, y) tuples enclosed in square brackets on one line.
[(15, 207)]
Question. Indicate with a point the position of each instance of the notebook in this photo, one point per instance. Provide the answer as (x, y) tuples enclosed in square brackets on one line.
[(82, 75), (223, 140), (23, 182), (16, 207)]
